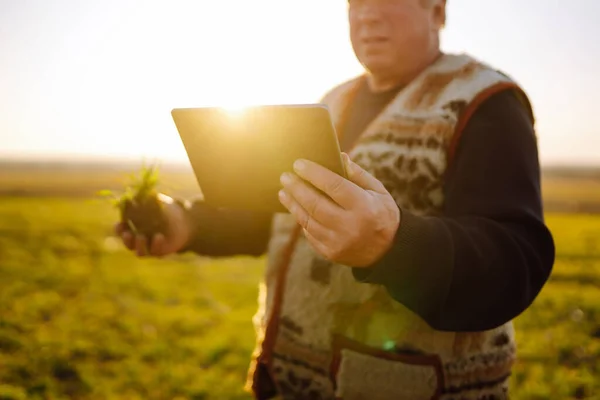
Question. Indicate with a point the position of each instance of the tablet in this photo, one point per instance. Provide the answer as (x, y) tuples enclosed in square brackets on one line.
[(238, 156)]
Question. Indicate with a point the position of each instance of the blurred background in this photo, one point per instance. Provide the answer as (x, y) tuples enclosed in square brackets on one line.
[(86, 89)]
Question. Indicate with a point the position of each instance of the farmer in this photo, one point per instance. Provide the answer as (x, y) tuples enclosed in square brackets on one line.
[(400, 282)]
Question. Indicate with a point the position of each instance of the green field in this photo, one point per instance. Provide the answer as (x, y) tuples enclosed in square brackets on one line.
[(81, 318)]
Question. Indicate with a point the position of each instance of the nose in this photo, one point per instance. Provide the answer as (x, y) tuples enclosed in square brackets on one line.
[(369, 14)]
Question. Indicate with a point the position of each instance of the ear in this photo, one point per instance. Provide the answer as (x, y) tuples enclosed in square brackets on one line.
[(439, 14)]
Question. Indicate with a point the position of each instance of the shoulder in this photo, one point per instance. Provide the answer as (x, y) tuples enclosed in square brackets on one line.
[(504, 105), (496, 105), (501, 114), (494, 95), (481, 91), (461, 80), (488, 83), (500, 127)]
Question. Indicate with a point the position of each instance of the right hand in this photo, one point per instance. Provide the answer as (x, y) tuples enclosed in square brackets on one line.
[(178, 234)]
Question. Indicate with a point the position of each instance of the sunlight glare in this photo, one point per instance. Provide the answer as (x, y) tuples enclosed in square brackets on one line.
[(235, 111)]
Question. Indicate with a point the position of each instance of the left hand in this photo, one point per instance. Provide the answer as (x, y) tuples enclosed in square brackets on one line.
[(353, 223)]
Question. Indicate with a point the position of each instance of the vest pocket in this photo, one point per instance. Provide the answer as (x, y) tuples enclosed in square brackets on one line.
[(363, 372)]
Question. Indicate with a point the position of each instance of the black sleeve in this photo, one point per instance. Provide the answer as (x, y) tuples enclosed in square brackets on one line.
[(220, 232), (485, 260)]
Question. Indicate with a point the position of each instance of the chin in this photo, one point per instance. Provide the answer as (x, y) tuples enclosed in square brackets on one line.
[(377, 66), (374, 59)]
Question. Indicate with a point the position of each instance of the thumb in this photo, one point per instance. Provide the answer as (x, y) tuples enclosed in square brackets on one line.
[(361, 177)]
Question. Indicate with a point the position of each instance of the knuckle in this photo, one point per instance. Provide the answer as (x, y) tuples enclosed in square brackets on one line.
[(370, 211), (306, 225), (294, 210), (156, 250), (328, 253), (304, 222), (360, 173), (354, 236), (334, 251), (334, 185), (303, 219), (390, 204), (372, 214), (313, 206), (127, 240)]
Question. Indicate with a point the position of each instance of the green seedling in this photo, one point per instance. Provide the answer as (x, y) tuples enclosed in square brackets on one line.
[(139, 205)]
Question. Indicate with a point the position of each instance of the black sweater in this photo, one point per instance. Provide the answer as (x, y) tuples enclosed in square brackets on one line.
[(481, 263)]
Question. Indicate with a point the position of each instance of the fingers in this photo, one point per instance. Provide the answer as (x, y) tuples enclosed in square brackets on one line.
[(119, 228), (139, 243), (361, 177), (150, 246), (125, 235), (154, 246), (318, 206), (159, 245), (128, 240), (340, 190), (316, 243), (303, 217)]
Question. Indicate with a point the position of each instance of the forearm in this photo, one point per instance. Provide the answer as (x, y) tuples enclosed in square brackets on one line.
[(218, 232), (465, 274)]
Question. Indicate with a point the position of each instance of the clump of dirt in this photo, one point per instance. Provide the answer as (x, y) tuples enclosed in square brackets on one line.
[(139, 205)]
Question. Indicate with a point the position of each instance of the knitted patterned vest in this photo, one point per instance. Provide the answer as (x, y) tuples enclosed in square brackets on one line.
[(320, 333)]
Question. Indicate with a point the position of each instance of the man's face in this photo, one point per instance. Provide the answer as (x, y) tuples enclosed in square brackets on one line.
[(387, 34)]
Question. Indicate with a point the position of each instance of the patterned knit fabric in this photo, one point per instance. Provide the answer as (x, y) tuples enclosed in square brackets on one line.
[(322, 334)]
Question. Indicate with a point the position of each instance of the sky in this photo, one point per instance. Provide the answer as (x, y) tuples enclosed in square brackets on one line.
[(99, 78)]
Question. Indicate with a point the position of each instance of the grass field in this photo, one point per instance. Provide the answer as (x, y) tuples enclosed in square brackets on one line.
[(81, 318)]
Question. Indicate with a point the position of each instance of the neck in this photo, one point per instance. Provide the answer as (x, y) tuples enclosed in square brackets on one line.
[(383, 81)]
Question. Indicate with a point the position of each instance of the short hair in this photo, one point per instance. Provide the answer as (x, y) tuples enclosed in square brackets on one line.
[(431, 3)]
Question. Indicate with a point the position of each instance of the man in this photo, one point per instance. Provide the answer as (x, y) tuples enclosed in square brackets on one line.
[(400, 282)]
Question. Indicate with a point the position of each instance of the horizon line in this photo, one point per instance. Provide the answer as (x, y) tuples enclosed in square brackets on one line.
[(79, 158)]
